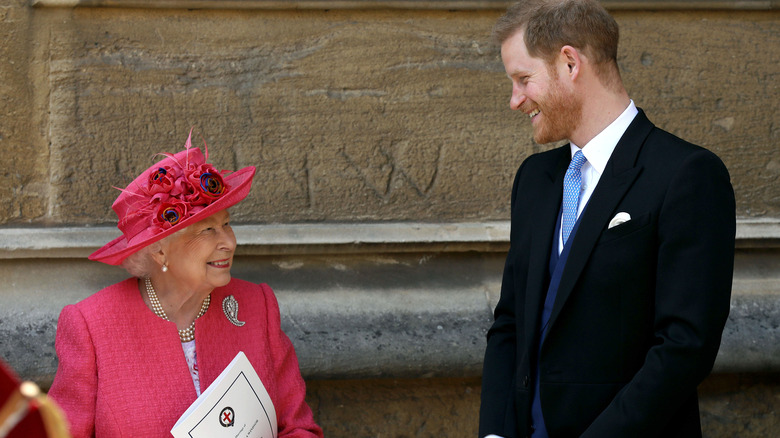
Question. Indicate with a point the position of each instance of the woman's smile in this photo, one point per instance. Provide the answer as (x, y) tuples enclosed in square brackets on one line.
[(220, 263)]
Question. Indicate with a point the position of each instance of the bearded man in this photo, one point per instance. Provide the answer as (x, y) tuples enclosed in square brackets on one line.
[(617, 282)]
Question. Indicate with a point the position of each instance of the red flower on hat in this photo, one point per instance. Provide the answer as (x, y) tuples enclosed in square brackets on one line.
[(207, 184), (161, 180), (211, 184), (170, 213), (180, 190)]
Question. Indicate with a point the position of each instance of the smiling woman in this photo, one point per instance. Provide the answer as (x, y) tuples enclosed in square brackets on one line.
[(134, 356), (198, 260)]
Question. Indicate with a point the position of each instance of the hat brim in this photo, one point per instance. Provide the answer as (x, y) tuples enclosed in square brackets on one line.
[(116, 251)]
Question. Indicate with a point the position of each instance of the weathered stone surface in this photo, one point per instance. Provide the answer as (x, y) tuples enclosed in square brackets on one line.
[(705, 78), (731, 405), (349, 115), (400, 408), (751, 338), (22, 161), (372, 315), (338, 120), (740, 405)]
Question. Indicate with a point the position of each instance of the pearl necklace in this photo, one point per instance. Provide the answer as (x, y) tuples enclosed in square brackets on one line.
[(187, 334)]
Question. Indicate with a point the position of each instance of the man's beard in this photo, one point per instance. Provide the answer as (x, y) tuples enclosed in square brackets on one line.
[(561, 113)]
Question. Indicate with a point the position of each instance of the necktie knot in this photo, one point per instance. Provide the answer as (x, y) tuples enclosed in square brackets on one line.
[(572, 186), (577, 161)]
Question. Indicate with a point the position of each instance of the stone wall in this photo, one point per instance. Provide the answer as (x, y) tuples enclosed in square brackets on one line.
[(385, 151), (350, 115)]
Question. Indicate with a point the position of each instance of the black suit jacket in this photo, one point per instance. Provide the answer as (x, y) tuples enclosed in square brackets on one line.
[(639, 313)]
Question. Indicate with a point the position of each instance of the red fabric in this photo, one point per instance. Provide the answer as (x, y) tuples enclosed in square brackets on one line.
[(8, 382), (31, 426), (122, 371)]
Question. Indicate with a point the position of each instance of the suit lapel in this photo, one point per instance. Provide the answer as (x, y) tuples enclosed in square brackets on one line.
[(550, 191), (619, 175)]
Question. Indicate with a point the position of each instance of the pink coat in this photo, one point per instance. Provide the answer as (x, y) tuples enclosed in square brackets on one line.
[(122, 371)]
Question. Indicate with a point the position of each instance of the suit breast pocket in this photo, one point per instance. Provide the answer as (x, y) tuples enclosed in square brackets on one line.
[(635, 225)]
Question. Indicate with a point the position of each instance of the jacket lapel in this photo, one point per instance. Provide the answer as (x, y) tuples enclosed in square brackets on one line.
[(550, 191), (619, 175)]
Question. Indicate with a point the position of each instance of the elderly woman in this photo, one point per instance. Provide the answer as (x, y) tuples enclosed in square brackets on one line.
[(134, 356)]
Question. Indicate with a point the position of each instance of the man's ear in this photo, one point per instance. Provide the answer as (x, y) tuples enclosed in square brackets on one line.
[(572, 59)]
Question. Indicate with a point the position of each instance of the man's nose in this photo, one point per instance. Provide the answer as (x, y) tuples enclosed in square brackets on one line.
[(517, 99)]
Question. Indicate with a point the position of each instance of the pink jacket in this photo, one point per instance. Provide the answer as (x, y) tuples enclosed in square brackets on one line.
[(122, 371)]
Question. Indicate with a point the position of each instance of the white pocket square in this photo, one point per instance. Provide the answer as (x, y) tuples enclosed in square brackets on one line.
[(619, 218)]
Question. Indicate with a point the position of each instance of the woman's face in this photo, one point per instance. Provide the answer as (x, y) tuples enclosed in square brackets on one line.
[(200, 256)]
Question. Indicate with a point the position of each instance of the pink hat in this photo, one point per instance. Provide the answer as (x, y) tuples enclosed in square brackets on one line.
[(173, 194)]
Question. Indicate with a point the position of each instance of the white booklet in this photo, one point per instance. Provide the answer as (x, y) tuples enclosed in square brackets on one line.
[(235, 405)]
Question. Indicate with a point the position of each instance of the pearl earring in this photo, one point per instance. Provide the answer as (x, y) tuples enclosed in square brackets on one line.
[(165, 268)]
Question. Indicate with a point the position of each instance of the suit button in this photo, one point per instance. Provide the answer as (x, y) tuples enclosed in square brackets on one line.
[(525, 382)]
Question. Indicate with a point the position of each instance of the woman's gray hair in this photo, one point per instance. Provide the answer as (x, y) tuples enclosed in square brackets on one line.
[(141, 264)]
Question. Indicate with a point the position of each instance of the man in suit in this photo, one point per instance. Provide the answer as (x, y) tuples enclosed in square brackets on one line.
[(617, 282)]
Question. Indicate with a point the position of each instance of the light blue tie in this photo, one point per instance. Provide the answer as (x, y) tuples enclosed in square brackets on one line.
[(572, 187)]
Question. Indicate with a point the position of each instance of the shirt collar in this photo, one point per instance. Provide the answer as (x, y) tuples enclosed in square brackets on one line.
[(598, 150)]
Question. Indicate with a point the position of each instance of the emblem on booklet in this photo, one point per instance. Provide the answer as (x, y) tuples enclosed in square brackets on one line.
[(227, 417)]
